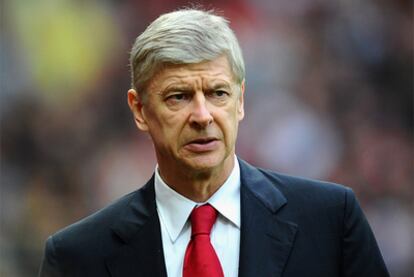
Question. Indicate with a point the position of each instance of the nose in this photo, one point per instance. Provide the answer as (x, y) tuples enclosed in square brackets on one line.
[(200, 116)]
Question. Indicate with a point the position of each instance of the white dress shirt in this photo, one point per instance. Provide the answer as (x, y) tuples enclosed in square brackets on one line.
[(174, 211)]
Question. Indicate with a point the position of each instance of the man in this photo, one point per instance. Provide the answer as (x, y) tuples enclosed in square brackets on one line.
[(205, 212)]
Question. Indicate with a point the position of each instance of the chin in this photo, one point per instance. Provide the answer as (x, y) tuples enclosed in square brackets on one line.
[(205, 163)]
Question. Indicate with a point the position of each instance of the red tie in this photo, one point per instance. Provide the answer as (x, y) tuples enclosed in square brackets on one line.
[(200, 258)]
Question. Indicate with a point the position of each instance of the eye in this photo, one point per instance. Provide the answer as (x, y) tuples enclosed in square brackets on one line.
[(218, 96), (220, 93), (177, 99)]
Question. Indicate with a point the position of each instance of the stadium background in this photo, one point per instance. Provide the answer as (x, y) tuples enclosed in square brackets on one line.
[(329, 96)]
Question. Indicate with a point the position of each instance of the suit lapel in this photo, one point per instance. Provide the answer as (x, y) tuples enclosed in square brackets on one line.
[(266, 240), (138, 229), (265, 244)]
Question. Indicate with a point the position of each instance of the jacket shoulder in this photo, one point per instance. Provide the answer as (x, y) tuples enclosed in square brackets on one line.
[(330, 224), (93, 228), (304, 188), (103, 216)]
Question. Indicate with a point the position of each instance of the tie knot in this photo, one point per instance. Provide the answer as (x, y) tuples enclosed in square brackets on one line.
[(202, 220)]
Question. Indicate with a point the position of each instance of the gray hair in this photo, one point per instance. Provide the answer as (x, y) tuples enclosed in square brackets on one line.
[(185, 36)]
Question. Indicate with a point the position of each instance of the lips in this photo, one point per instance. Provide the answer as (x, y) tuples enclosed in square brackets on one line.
[(202, 144), (202, 140)]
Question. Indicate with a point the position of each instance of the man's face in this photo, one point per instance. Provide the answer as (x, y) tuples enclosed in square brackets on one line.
[(192, 113)]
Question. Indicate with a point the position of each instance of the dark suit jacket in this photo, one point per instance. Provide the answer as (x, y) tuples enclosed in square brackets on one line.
[(289, 227)]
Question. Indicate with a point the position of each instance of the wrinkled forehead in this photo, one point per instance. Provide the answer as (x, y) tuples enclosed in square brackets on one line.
[(207, 72)]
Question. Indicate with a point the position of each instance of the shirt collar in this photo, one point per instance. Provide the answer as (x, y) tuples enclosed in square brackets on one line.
[(174, 209)]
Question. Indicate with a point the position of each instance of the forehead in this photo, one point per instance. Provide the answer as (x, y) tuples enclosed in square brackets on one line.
[(217, 70)]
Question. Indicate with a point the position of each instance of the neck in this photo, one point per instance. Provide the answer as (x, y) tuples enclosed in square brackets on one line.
[(198, 186)]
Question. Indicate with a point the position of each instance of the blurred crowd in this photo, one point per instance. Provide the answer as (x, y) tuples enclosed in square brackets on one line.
[(329, 96)]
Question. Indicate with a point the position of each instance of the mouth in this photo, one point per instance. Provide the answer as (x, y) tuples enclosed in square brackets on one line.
[(202, 144), (203, 140)]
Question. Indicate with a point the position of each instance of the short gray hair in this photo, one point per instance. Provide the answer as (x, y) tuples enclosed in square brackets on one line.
[(185, 36)]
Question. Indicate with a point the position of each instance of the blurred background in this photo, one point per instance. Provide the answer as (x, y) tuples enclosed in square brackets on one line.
[(329, 96)]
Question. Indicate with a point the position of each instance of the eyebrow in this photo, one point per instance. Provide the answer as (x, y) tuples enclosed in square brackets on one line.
[(177, 87), (188, 89), (220, 86)]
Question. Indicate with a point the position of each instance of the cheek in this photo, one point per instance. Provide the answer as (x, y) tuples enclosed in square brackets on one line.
[(169, 126), (160, 119), (174, 122), (229, 123)]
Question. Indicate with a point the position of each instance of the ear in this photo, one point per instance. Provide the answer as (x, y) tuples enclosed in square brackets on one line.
[(136, 105), (240, 104)]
